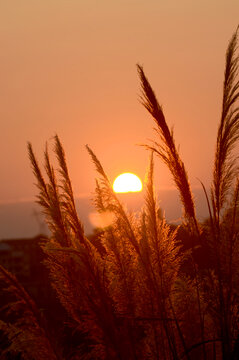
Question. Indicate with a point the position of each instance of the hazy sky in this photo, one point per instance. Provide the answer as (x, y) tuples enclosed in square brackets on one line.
[(68, 67)]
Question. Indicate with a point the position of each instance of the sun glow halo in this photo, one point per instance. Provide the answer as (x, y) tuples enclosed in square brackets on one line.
[(127, 182)]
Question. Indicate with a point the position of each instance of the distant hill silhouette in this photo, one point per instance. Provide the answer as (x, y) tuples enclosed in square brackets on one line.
[(24, 219)]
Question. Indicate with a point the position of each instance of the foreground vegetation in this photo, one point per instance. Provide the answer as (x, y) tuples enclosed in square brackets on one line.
[(137, 292)]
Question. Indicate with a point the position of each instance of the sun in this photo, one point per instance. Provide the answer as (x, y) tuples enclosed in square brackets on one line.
[(127, 182)]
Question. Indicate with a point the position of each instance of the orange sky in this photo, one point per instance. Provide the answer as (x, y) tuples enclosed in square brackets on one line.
[(68, 67)]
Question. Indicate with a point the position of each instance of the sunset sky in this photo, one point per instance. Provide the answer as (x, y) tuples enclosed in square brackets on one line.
[(69, 67)]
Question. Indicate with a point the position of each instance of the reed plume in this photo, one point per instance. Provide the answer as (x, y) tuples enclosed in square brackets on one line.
[(225, 163), (167, 151)]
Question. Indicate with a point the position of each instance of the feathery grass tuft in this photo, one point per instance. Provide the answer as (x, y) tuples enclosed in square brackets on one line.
[(225, 164), (167, 151)]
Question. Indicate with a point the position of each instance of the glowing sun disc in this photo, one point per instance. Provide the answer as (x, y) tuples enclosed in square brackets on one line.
[(127, 182)]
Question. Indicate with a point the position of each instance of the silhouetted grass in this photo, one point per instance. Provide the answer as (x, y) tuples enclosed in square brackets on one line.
[(140, 294)]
